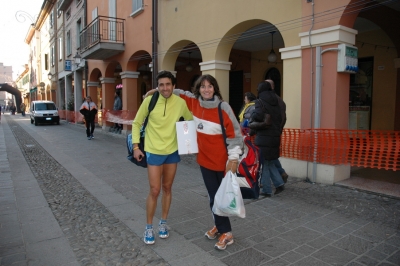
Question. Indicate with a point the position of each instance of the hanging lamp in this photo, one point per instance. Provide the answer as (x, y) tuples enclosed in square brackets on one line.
[(189, 66), (272, 55)]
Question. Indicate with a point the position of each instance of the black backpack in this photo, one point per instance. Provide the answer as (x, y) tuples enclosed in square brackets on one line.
[(129, 145)]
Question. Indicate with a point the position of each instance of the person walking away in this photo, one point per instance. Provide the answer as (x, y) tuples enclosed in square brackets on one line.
[(22, 107), (203, 103), (268, 139), (247, 109), (13, 109), (161, 148), (117, 107), (89, 110), (282, 107)]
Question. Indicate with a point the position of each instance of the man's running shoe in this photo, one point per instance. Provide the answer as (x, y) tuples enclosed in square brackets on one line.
[(163, 230), (148, 236)]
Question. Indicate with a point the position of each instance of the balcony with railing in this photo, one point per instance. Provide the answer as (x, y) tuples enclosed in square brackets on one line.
[(102, 38)]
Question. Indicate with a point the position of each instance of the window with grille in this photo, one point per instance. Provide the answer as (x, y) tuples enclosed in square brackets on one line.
[(52, 56), (69, 50), (51, 20), (78, 32), (60, 49), (46, 61)]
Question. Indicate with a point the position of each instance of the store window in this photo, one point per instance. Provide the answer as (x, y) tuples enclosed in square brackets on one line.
[(360, 95)]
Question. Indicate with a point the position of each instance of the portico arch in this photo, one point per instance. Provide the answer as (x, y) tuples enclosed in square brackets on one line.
[(13, 91)]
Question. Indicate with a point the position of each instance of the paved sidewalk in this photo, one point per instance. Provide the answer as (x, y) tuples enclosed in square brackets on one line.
[(305, 225)]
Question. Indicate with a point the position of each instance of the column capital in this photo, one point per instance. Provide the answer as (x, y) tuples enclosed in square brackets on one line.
[(331, 35), (107, 80), (215, 64), (290, 52), (129, 74), (93, 84)]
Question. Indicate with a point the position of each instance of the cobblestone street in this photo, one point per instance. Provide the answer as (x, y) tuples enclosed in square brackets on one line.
[(65, 200)]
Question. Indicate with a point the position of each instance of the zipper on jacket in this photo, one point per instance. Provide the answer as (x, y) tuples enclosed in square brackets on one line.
[(165, 107)]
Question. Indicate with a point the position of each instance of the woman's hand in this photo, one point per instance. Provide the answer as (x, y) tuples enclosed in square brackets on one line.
[(232, 165), (150, 92)]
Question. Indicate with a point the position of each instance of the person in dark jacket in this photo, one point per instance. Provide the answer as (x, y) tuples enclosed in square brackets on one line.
[(117, 107), (282, 106), (268, 139), (89, 110)]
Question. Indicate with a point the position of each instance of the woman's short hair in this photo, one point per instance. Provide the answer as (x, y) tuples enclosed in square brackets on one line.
[(250, 96), (213, 82)]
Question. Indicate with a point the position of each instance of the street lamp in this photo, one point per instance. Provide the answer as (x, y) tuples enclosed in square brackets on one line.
[(77, 58), (49, 76), (42, 85)]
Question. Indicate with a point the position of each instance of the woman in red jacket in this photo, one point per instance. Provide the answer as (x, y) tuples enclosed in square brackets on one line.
[(214, 157)]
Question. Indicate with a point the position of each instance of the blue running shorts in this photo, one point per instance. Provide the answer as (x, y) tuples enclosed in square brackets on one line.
[(157, 160)]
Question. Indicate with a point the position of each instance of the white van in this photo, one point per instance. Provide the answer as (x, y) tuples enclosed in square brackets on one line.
[(44, 112)]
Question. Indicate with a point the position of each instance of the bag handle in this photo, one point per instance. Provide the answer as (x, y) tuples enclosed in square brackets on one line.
[(152, 104), (221, 121)]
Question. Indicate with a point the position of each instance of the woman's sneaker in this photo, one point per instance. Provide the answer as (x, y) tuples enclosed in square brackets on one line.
[(148, 236), (212, 233), (224, 240), (163, 231)]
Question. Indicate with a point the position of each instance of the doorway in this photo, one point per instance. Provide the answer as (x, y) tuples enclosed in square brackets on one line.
[(236, 91)]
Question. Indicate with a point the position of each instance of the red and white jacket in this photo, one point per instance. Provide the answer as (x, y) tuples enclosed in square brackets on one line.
[(212, 149)]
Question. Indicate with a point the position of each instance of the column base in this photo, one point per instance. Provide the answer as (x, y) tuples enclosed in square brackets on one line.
[(326, 173)]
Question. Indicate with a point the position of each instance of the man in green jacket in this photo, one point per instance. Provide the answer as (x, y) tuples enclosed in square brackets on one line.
[(161, 148)]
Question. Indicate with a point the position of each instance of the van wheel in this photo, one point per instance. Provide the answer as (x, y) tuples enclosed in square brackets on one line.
[(36, 123)]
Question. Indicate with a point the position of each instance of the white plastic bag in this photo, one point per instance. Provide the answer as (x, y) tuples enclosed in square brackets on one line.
[(228, 201)]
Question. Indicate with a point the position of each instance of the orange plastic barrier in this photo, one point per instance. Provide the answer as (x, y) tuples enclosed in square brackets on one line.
[(121, 117), (72, 116), (365, 148)]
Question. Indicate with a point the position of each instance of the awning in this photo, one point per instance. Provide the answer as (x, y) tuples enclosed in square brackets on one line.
[(33, 90)]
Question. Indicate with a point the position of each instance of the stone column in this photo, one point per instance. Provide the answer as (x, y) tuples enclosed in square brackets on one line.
[(219, 70), (68, 92), (60, 98), (78, 90), (131, 96), (108, 90)]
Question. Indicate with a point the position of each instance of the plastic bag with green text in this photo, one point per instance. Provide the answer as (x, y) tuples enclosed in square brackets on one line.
[(228, 201)]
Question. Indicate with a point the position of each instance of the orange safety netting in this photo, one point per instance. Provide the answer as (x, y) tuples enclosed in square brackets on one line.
[(365, 148), (121, 117), (73, 116)]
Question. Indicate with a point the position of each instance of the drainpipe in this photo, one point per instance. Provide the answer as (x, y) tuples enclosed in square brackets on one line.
[(86, 69), (155, 43), (311, 72)]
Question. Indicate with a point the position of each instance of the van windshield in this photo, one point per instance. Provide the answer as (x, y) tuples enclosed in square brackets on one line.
[(45, 106)]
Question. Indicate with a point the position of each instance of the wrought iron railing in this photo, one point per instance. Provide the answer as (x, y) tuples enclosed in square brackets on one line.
[(102, 29)]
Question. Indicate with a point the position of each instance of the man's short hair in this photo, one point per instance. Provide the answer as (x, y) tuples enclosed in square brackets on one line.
[(166, 74)]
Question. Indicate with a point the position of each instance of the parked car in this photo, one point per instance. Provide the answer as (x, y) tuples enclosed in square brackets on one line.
[(44, 112)]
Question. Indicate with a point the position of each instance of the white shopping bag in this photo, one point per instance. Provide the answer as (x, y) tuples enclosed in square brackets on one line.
[(228, 201), (187, 137)]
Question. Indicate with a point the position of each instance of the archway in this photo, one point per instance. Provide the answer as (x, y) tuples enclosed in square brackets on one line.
[(13, 91), (275, 76)]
